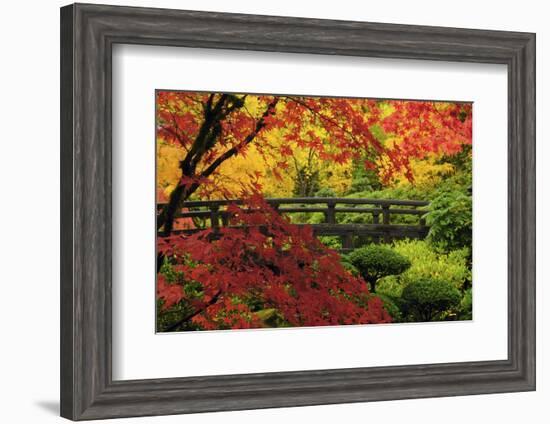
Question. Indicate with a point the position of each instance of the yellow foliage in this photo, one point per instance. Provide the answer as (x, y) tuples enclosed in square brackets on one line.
[(239, 171), (277, 180), (427, 173), (168, 172), (336, 176), (266, 169)]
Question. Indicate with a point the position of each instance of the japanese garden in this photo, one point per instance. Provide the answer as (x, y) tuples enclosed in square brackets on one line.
[(279, 211)]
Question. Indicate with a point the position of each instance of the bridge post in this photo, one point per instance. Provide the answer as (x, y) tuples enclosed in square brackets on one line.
[(422, 221), (330, 214), (225, 218), (386, 221), (214, 216), (376, 220), (347, 241)]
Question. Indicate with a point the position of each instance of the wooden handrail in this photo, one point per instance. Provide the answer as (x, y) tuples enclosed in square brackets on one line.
[(380, 209), (306, 201), (208, 213)]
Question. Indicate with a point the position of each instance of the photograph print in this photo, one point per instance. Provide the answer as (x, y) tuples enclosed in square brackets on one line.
[(277, 211)]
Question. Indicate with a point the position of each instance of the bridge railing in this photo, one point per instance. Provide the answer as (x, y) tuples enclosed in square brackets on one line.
[(379, 228)]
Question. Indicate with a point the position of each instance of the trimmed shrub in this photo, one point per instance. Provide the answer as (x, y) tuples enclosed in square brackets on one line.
[(348, 266), (375, 262), (392, 306), (428, 263), (429, 300)]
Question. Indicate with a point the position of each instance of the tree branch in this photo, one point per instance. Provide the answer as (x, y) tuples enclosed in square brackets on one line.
[(186, 318), (235, 149), (214, 112)]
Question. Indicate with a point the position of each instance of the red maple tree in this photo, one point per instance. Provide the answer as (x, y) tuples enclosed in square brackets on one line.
[(264, 264)]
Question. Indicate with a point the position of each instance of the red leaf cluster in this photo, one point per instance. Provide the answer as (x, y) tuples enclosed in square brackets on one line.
[(264, 257), (426, 127)]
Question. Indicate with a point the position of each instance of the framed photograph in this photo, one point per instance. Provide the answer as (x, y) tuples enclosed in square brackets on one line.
[(265, 212)]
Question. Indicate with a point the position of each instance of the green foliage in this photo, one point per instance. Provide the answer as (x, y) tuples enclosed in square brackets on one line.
[(450, 220), (334, 242), (325, 192), (426, 262), (390, 286), (409, 192), (400, 192), (389, 290), (450, 211), (375, 262), (392, 306), (172, 315), (271, 317), (462, 162), (429, 300), (348, 266), (192, 289), (465, 310), (168, 271), (306, 218), (364, 179)]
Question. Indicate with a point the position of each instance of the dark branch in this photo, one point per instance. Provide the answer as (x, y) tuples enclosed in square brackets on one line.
[(186, 318), (249, 138)]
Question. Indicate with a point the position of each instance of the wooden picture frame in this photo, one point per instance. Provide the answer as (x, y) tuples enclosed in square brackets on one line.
[(88, 33)]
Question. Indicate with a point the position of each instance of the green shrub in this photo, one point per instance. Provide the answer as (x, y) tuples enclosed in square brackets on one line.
[(364, 179), (348, 266), (193, 290), (271, 317), (407, 192), (428, 263), (334, 242), (392, 306), (429, 300), (400, 192), (461, 180), (465, 310), (450, 220), (325, 192), (375, 262), (306, 217)]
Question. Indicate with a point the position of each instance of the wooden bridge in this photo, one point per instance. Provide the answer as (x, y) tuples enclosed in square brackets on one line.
[(379, 226)]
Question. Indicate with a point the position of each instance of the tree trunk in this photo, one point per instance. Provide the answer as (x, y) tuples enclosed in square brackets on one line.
[(206, 139), (372, 284)]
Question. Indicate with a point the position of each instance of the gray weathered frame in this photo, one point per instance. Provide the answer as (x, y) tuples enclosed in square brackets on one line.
[(88, 33)]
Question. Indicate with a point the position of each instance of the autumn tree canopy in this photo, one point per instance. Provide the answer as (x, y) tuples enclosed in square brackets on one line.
[(212, 128)]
